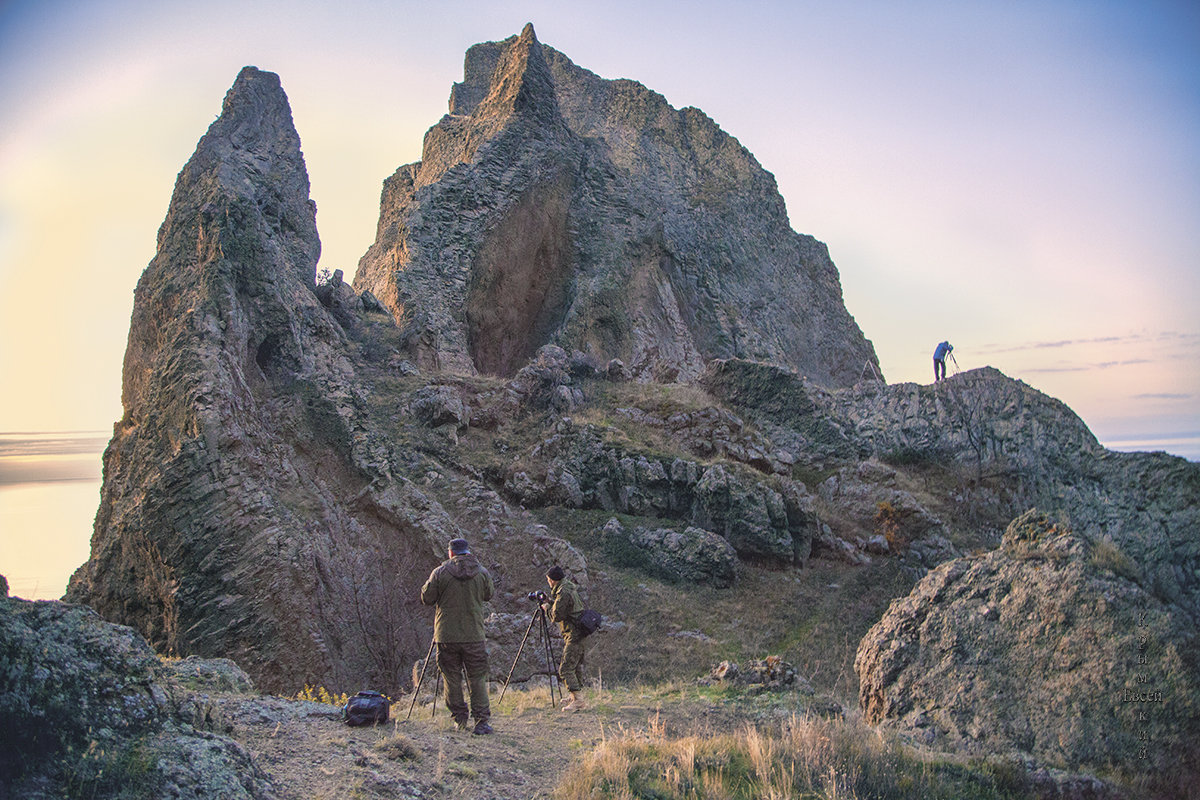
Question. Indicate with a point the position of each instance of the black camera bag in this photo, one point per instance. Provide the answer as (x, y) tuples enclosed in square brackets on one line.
[(590, 621), (366, 708)]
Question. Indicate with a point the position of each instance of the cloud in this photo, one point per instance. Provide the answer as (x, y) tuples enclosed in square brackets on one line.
[(1092, 366), (1140, 339), (1163, 396)]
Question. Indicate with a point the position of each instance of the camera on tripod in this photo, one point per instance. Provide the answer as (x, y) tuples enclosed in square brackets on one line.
[(538, 596)]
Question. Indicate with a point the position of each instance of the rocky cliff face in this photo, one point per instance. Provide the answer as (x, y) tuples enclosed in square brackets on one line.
[(293, 458), (993, 425), (554, 207), (225, 524)]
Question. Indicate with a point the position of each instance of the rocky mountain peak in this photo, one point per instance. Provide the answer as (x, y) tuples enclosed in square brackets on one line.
[(255, 109), (552, 206), (520, 83), (481, 77)]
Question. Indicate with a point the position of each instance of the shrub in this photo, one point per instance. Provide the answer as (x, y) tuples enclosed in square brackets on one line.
[(322, 695), (887, 517)]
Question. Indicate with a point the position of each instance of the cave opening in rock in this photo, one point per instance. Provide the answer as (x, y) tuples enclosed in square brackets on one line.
[(520, 283)]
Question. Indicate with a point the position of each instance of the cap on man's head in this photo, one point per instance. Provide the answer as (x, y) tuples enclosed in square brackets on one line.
[(459, 546), (555, 573)]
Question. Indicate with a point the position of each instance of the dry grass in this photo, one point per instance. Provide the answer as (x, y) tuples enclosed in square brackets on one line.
[(1106, 555), (398, 747), (805, 757)]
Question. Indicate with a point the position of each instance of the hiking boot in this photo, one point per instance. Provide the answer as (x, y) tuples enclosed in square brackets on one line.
[(461, 724), (482, 728), (574, 704)]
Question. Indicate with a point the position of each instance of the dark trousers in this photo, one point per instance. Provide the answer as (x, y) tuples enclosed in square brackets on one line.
[(455, 657), (939, 369)]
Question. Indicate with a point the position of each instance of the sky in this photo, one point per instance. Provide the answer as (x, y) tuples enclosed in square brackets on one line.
[(1020, 178)]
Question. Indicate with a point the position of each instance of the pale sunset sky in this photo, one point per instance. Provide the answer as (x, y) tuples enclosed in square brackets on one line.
[(1021, 177)]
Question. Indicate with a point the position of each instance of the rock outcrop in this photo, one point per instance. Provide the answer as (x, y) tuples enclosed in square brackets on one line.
[(89, 710), (593, 306), (692, 555), (1049, 647), (553, 206), (766, 518), (247, 511), (988, 427)]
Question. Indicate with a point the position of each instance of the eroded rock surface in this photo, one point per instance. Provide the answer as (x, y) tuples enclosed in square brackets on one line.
[(1049, 646), (90, 710), (551, 205), (247, 510)]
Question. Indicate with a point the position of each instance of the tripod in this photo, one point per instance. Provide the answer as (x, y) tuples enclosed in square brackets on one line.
[(437, 674), (538, 616)]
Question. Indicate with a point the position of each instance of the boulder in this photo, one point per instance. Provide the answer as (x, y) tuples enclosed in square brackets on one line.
[(341, 300), (436, 406), (692, 555), (88, 706), (1048, 647), (771, 673), (750, 515)]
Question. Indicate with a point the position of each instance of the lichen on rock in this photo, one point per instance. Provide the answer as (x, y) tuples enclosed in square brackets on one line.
[(1037, 648)]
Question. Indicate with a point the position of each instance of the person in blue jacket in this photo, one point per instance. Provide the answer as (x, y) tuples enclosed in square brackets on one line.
[(939, 360)]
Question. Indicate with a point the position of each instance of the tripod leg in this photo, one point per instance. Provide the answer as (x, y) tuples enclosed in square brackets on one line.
[(551, 670), (421, 680), (437, 675), (514, 664)]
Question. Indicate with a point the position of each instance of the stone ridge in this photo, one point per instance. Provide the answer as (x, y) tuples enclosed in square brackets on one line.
[(654, 237)]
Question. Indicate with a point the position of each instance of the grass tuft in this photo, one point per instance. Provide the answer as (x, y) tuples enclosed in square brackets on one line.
[(1106, 555)]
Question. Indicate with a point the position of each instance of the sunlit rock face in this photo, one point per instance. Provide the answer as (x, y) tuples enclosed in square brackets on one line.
[(1051, 647), (553, 206), (224, 525)]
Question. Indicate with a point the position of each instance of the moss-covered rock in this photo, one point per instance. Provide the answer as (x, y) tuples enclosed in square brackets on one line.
[(89, 710), (1038, 649)]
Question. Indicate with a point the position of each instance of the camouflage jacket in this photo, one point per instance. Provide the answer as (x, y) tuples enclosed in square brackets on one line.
[(565, 605)]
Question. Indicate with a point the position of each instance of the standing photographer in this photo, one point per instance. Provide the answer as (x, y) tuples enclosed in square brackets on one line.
[(458, 589), (564, 608)]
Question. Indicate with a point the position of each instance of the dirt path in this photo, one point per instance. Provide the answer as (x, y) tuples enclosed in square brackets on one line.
[(307, 752)]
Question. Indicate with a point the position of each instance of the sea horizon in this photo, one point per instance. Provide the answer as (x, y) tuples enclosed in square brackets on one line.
[(50, 491)]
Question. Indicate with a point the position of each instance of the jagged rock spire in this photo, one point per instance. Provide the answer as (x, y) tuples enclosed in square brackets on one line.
[(521, 83), (214, 476), (554, 207)]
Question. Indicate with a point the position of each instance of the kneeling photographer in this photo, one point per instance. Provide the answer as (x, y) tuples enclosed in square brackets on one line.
[(564, 607)]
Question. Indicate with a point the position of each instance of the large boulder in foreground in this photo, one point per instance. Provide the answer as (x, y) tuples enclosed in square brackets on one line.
[(89, 710), (1048, 647)]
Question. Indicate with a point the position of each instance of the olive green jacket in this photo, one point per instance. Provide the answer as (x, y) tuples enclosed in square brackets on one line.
[(565, 608), (458, 589)]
